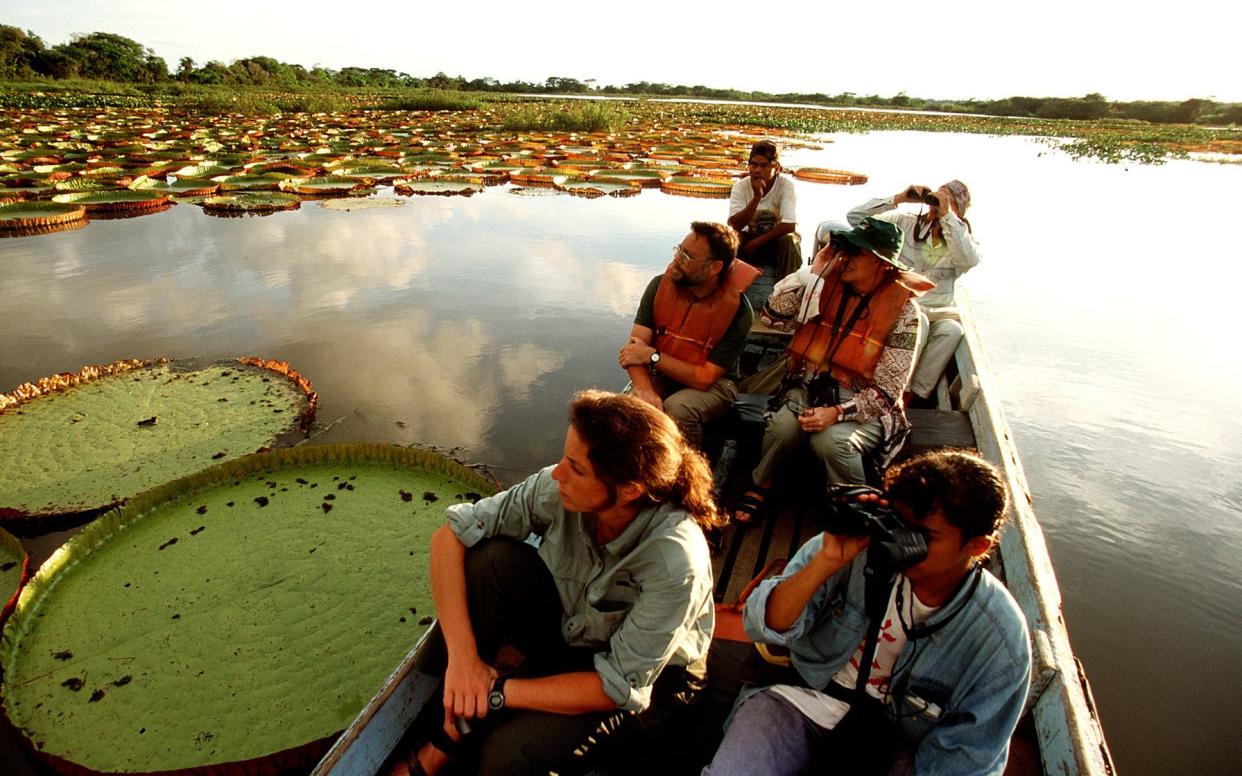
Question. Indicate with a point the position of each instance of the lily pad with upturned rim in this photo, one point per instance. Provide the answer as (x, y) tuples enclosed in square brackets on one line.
[(36, 215), (122, 199), (252, 202), (231, 619), (75, 443), (14, 571)]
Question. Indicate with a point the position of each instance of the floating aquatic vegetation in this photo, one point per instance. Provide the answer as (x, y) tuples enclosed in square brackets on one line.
[(14, 571), (230, 617), (180, 188), (118, 200), (36, 215), (821, 175), (593, 188), (78, 442), (438, 187), (707, 188), (361, 203), (252, 202), (332, 186)]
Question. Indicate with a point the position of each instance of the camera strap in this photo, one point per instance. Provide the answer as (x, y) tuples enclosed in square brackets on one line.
[(879, 587)]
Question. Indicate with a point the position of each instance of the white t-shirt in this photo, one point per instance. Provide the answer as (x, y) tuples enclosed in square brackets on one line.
[(780, 199), (825, 710)]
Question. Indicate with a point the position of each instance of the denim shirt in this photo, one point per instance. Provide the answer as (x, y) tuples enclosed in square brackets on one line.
[(956, 694), (644, 600)]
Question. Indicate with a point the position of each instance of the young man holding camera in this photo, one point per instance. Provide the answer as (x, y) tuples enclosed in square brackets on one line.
[(951, 658)]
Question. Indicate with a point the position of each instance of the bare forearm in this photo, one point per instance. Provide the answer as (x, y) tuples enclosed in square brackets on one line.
[(785, 604), (574, 693), (448, 590), (699, 377), (742, 218)]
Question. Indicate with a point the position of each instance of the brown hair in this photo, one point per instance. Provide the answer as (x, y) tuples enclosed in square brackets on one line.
[(966, 489), (722, 241), (628, 440)]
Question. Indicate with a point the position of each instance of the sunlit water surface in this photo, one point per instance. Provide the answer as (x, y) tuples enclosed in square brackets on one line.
[(1106, 301)]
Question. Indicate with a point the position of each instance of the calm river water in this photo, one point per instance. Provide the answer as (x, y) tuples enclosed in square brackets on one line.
[(1106, 301)]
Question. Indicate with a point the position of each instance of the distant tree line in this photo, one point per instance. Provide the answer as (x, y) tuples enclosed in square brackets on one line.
[(109, 57)]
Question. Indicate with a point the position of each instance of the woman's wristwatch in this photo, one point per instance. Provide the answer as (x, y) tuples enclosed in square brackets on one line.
[(496, 698)]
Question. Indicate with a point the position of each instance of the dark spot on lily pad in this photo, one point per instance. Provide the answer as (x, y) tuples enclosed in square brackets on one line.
[(148, 422), (169, 542), (426, 620), (198, 530), (342, 486), (349, 486), (7, 566), (326, 507), (402, 619), (430, 497), (63, 655), (222, 398), (218, 455), (202, 510), (229, 504), (301, 481), (474, 497), (73, 683), (124, 680), (96, 696), (413, 610), (329, 497), (177, 616), (261, 500), (406, 495)]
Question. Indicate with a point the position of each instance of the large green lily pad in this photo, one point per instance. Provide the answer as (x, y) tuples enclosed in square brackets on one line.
[(122, 199), (14, 566), (239, 613), (80, 442), (28, 215), (252, 202)]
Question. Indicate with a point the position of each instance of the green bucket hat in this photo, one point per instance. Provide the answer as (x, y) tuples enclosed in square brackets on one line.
[(880, 237)]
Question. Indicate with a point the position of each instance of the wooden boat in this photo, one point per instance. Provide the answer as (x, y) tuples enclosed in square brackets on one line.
[(1059, 735)]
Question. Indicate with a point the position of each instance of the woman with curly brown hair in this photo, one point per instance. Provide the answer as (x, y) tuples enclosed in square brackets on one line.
[(613, 612)]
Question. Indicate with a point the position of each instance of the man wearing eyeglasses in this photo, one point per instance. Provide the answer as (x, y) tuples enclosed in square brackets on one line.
[(763, 209), (690, 328)]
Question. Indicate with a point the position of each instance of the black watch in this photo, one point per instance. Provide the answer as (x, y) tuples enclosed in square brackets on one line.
[(496, 698), (655, 358)]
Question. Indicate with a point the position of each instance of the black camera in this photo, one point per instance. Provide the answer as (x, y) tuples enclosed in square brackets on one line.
[(894, 543)]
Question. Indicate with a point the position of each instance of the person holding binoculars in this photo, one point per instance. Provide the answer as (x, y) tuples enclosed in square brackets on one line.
[(938, 243), (923, 669)]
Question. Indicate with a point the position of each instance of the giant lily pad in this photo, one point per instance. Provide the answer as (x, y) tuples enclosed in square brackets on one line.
[(243, 615), (78, 442), (252, 202), (34, 215), (822, 175), (14, 571), (433, 186), (697, 187), (122, 199)]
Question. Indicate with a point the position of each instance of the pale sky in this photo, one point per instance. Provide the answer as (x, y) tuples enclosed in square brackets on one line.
[(971, 48)]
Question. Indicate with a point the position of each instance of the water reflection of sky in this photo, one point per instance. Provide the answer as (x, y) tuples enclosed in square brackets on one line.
[(1105, 300)]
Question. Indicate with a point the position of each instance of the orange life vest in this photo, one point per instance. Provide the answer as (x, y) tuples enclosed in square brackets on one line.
[(853, 352), (688, 328)]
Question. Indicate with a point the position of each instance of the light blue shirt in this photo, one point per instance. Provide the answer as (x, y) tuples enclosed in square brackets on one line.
[(644, 600), (956, 694)]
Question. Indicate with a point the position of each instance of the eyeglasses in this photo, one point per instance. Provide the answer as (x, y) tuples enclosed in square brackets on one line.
[(683, 256)]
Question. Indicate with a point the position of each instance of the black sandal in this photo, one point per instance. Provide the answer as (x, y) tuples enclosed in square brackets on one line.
[(752, 504), (438, 739)]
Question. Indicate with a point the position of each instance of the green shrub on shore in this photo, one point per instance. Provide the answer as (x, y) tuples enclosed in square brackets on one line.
[(565, 117), (432, 99)]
